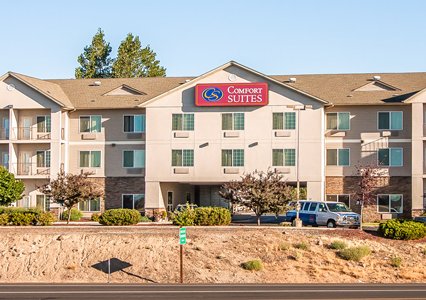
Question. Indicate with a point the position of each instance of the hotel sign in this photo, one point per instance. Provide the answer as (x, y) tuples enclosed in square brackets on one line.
[(231, 94)]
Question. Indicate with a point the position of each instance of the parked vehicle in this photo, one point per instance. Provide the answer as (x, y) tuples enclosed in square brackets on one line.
[(181, 207), (328, 213)]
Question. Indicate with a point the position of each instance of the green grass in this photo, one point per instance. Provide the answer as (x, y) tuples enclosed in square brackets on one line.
[(355, 253), (252, 265), (284, 246), (338, 245), (301, 246), (396, 261)]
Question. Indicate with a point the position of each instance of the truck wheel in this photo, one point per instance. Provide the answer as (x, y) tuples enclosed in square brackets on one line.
[(331, 224)]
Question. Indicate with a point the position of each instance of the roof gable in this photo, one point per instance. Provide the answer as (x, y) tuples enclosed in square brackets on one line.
[(376, 86), (124, 90)]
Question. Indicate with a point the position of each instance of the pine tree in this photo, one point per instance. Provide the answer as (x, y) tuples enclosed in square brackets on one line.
[(134, 61), (95, 61)]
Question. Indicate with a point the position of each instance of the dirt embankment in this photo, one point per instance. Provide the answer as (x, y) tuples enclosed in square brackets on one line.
[(212, 255)]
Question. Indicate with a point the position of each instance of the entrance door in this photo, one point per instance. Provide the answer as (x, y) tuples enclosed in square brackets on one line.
[(24, 166), (169, 201), (26, 128)]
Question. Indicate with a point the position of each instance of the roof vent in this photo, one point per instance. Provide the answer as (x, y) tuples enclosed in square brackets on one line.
[(97, 83), (292, 79), (376, 78), (187, 80)]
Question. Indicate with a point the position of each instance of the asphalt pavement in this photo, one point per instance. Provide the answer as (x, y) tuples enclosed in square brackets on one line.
[(217, 291)]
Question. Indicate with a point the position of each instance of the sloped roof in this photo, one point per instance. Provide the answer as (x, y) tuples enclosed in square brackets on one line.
[(84, 94), (339, 89)]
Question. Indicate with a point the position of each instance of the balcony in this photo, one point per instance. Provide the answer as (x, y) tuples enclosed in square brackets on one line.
[(29, 133), (30, 169), (4, 134)]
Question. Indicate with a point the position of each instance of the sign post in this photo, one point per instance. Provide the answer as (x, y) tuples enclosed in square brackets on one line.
[(182, 241)]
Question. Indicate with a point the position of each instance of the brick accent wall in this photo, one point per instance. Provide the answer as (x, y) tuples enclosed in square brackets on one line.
[(385, 185), (116, 186)]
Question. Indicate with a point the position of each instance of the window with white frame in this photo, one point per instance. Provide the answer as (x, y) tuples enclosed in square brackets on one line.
[(43, 158), (390, 157), (233, 158), (338, 121), (389, 120), (391, 203), (233, 121), (283, 121), (338, 157), (134, 158), (183, 158), (43, 202), (44, 124), (91, 205), (182, 122), (90, 159), (345, 198), (90, 123), (283, 157), (133, 201), (134, 123)]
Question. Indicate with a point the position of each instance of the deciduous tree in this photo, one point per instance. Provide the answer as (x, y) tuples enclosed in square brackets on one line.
[(11, 189), (262, 192), (70, 189), (95, 61)]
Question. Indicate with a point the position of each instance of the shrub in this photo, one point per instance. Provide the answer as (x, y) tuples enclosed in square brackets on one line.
[(22, 219), (76, 215), (284, 246), (144, 219), (402, 229), (338, 245), (45, 218), (4, 219), (252, 265), (120, 216), (301, 246), (396, 261), (355, 253), (95, 217), (202, 216)]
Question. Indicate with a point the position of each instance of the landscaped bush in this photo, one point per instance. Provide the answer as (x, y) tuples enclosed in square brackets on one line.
[(45, 218), (76, 215), (120, 216), (355, 253), (144, 219), (396, 261), (22, 219), (338, 245), (95, 217), (402, 229), (203, 216), (253, 265), (301, 246), (4, 219)]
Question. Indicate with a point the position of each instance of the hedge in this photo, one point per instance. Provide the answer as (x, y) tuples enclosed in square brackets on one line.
[(18, 216), (76, 215), (402, 229), (120, 216), (203, 216)]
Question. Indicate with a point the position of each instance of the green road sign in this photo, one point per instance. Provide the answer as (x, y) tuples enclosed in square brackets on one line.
[(182, 236)]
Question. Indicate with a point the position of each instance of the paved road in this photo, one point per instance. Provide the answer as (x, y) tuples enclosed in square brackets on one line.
[(205, 292)]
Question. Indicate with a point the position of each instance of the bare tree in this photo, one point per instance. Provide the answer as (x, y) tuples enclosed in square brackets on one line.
[(262, 192), (69, 189)]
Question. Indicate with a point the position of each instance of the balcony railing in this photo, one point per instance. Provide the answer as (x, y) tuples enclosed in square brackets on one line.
[(30, 169), (4, 133), (29, 133)]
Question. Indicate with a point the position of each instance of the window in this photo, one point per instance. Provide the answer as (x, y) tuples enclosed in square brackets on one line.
[(90, 159), (90, 123), (339, 198), (182, 158), (338, 121), (43, 159), (283, 157), (389, 203), (44, 124), (134, 123), (43, 202), (338, 157), (133, 201), (233, 121), (281, 121), (233, 158), (90, 205), (313, 206), (183, 122), (134, 158), (390, 157), (390, 120)]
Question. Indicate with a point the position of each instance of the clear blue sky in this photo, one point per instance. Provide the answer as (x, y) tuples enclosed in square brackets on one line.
[(43, 38)]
